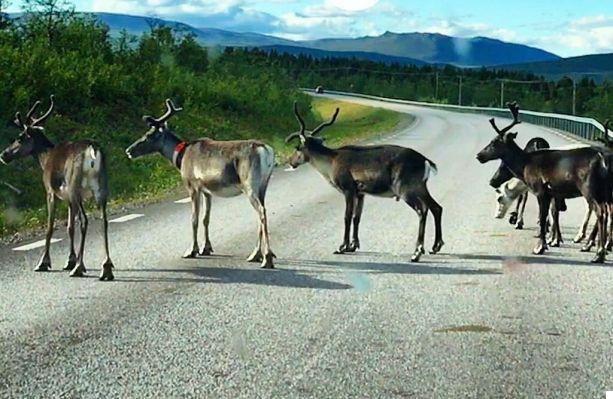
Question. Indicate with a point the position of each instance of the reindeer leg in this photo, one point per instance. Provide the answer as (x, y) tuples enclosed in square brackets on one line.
[(520, 218), (208, 248), (265, 256), (267, 263), (556, 234), (437, 212), (610, 227), (192, 252), (422, 212), (602, 232), (107, 266), (591, 240), (72, 257), (584, 225), (256, 256), (79, 270), (357, 215), (44, 264), (544, 201), (514, 215), (349, 201)]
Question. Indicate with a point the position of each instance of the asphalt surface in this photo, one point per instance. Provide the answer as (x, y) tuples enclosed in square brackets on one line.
[(484, 318)]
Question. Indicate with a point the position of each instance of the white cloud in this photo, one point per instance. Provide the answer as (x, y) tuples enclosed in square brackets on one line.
[(586, 35)]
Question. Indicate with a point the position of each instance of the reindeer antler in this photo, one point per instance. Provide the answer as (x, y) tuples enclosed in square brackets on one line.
[(326, 124), (514, 108), (171, 110), (45, 116), (299, 118), (296, 135), (31, 111)]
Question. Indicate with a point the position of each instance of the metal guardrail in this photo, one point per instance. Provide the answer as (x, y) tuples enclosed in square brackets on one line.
[(584, 128)]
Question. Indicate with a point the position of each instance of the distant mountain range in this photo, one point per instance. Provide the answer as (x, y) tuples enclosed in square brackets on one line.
[(439, 49), (402, 48), (405, 48)]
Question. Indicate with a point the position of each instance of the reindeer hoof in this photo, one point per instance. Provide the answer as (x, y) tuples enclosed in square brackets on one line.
[(600, 257), (354, 246), (519, 225), (191, 254), (344, 248), (554, 243), (70, 264), (206, 251), (255, 257), (43, 267), (78, 271), (513, 218), (107, 272), (419, 251), (578, 238), (436, 248), (588, 246), (267, 263), (540, 249)]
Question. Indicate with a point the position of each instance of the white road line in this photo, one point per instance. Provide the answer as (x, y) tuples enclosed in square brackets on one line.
[(184, 201), (35, 245), (126, 218)]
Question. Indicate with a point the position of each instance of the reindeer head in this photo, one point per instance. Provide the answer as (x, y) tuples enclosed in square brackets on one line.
[(497, 147), (307, 139), (158, 133), (32, 138)]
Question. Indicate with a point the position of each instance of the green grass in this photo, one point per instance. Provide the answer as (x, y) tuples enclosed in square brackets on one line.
[(153, 178)]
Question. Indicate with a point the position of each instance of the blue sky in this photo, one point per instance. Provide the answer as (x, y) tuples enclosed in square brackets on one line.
[(565, 27)]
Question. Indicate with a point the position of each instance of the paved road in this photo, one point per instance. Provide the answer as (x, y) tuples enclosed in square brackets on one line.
[(482, 319)]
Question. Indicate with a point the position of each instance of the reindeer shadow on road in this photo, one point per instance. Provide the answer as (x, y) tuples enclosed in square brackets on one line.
[(229, 275)]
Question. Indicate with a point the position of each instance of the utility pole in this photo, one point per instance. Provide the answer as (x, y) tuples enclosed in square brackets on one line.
[(460, 92), (502, 94), (436, 88)]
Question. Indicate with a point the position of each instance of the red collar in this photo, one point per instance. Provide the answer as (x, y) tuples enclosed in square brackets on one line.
[(177, 155)]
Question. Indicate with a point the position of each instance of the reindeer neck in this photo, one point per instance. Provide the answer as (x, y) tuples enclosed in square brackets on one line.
[(168, 147), (515, 159), (42, 148), (321, 158)]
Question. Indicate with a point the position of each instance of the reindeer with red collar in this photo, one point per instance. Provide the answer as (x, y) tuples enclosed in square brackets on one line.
[(213, 168)]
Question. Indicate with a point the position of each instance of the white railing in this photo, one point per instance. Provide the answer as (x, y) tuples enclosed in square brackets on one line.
[(584, 128)]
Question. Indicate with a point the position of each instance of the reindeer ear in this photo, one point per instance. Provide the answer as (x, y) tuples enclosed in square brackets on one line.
[(18, 121), (511, 136), (150, 120)]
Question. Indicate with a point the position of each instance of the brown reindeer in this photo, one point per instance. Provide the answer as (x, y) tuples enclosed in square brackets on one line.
[(71, 172), (208, 168), (386, 171), (554, 174)]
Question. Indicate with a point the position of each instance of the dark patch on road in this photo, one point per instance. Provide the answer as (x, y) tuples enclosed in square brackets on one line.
[(465, 328)]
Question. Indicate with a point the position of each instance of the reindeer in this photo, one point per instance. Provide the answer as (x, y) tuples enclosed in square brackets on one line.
[(208, 168), (606, 140), (386, 171), (504, 175), (72, 171), (554, 174)]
